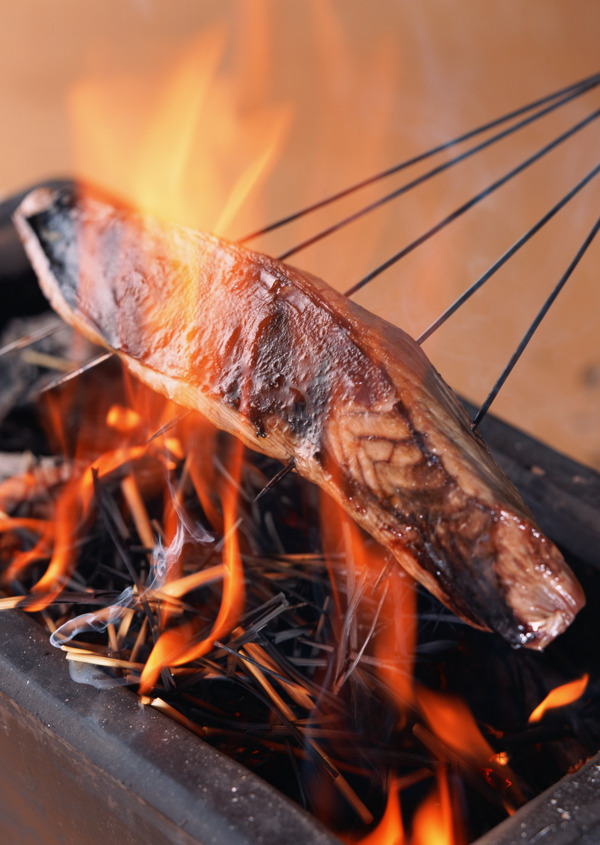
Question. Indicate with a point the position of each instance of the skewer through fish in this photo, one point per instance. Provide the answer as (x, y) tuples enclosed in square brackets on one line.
[(297, 371)]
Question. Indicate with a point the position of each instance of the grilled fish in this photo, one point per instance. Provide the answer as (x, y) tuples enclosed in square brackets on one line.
[(297, 371)]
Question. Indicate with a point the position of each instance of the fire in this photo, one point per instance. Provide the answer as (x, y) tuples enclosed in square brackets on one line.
[(200, 160), (456, 738), (180, 645), (435, 821), (174, 172), (560, 696), (196, 156), (452, 722), (395, 646), (368, 571), (194, 153), (122, 419), (75, 504), (390, 830)]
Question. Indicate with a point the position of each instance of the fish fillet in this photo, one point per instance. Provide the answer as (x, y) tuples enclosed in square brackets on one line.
[(296, 370)]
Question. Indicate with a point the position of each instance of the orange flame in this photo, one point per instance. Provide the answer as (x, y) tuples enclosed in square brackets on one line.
[(390, 830), (93, 453), (72, 509), (453, 723), (122, 419), (395, 644), (194, 153), (558, 697), (369, 572), (193, 156), (436, 821), (177, 646), (182, 158)]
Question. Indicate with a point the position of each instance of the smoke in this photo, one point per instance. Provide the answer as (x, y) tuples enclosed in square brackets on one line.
[(97, 621), (163, 560)]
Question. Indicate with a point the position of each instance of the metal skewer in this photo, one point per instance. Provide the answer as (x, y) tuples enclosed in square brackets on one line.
[(532, 328), (32, 337), (572, 90), (508, 254), (561, 99), (458, 212), (84, 368)]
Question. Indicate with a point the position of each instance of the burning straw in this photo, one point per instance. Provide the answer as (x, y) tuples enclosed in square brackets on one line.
[(155, 565)]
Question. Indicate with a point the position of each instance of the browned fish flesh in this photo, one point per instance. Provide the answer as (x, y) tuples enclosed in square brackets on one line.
[(297, 371)]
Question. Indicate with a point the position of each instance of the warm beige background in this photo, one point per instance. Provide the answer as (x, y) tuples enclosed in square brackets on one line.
[(344, 87)]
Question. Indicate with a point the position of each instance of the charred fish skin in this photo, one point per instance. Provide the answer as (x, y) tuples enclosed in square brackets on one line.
[(296, 370)]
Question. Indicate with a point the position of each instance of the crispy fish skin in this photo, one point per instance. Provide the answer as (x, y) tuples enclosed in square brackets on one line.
[(296, 370)]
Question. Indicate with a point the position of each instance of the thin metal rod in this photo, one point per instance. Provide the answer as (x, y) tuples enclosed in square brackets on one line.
[(577, 88), (504, 258), (532, 328), (93, 362), (425, 177), (32, 337), (279, 476), (168, 425), (472, 202)]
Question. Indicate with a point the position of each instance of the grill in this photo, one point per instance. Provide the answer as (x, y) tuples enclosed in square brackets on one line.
[(87, 763), (133, 785)]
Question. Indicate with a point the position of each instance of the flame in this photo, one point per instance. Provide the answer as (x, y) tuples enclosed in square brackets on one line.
[(200, 159), (369, 572), (454, 726), (559, 696), (122, 419), (436, 822), (453, 723), (390, 830), (72, 509), (180, 645), (68, 513), (58, 535), (191, 151), (395, 645), (76, 502), (192, 154), (196, 155)]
